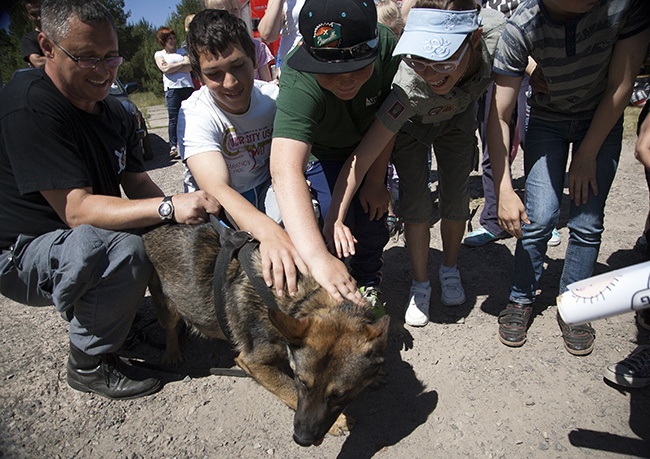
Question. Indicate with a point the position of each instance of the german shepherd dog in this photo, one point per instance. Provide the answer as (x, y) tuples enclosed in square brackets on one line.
[(331, 351)]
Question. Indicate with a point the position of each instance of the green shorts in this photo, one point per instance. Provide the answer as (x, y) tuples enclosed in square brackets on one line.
[(456, 148)]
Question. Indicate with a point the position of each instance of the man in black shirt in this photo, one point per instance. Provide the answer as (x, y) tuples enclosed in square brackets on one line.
[(66, 234)]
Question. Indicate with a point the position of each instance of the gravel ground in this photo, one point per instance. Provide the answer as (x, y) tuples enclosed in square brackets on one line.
[(453, 390)]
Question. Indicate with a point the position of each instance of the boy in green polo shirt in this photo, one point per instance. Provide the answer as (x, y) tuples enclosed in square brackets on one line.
[(330, 89)]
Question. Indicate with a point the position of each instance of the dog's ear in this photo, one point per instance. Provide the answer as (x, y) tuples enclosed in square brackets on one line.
[(379, 330), (293, 330)]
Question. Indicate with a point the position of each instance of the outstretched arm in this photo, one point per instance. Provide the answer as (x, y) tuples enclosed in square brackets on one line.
[(510, 208), (625, 63), (375, 148), (279, 257), (288, 162)]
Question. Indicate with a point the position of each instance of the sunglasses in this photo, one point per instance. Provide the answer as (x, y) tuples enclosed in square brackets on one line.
[(92, 62), (352, 53), (448, 66)]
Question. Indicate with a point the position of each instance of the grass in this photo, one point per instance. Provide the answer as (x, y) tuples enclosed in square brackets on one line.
[(630, 120), (146, 99)]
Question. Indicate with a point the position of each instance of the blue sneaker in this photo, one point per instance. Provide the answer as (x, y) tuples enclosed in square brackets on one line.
[(480, 237), (556, 238)]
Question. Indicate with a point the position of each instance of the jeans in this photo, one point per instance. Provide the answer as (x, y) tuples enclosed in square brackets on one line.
[(366, 263), (173, 99), (545, 161), (99, 274)]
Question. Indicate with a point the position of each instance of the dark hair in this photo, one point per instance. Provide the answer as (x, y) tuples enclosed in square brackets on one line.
[(456, 5), (216, 31), (55, 15), (163, 34)]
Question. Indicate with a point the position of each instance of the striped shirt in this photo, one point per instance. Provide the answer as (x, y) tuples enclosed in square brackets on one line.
[(573, 54)]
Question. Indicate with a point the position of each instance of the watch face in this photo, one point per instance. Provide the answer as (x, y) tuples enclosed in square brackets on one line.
[(165, 210)]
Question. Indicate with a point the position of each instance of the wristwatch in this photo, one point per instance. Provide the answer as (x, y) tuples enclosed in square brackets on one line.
[(166, 209)]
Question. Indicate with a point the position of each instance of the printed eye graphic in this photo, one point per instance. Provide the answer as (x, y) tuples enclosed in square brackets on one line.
[(596, 292)]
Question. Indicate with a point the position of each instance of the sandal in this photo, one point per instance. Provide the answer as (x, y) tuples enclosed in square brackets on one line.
[(513, 324), (578, 339)]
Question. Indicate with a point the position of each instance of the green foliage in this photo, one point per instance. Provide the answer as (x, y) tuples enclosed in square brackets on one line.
[(137, 42), (11, 56)]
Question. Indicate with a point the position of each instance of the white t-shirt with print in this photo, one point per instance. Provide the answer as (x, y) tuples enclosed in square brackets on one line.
[(243, 140)]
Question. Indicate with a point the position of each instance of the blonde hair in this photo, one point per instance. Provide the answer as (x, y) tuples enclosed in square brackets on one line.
[(231, 6), (188, 19), (389, 14)]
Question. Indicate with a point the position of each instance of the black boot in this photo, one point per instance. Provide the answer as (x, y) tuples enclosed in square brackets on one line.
[(104, 375)]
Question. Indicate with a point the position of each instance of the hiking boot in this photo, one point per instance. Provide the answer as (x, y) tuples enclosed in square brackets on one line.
[(417, 311), (578, 339), (104, 375), (633, 370), (451, 289), (513, 324), (373, 296), (643, 319), (556, 238), (481, 236)]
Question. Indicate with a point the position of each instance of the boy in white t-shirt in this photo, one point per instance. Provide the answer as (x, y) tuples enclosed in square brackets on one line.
[(224, 132)]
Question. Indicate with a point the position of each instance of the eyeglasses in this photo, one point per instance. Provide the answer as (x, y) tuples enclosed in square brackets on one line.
[(92, 62), (448, 66), (352, 53)]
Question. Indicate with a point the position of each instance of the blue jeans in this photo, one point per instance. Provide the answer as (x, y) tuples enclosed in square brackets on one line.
[(545, 161), (173, 99), (366, 263)]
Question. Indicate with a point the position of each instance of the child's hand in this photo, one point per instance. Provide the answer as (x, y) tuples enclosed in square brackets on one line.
[(511, 213), (582, 176), (339, 239), (279, 262), (333, 276), (374, 197)]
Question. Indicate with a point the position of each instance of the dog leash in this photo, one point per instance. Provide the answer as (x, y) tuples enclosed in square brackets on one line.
[(238, 245)]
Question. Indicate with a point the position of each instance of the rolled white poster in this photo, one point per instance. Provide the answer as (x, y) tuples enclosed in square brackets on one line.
[(606, 295)]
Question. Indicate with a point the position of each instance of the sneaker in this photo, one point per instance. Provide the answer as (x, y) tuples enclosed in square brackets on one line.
[(555, 239), (373, 296), (451, 289), (417, 311), (633, 370), (173, 152), (643, 319), (513, 324), (578, 339), (395, 225), (480, 237)]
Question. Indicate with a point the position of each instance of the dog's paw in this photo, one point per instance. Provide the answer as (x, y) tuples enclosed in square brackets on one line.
[(343, 425), (172, 359), (380, 380)]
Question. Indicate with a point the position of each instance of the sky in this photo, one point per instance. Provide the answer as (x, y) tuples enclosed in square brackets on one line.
[(155, 12)]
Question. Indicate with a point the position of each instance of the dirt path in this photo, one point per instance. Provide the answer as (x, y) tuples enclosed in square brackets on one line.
[(453, 390)]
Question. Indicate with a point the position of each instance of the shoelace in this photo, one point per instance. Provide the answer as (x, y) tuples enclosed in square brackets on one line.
[(639, 363)]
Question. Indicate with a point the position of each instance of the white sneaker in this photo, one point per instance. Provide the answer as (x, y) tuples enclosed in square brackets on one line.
[(555, 240), (452, 293), (417, 311)]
